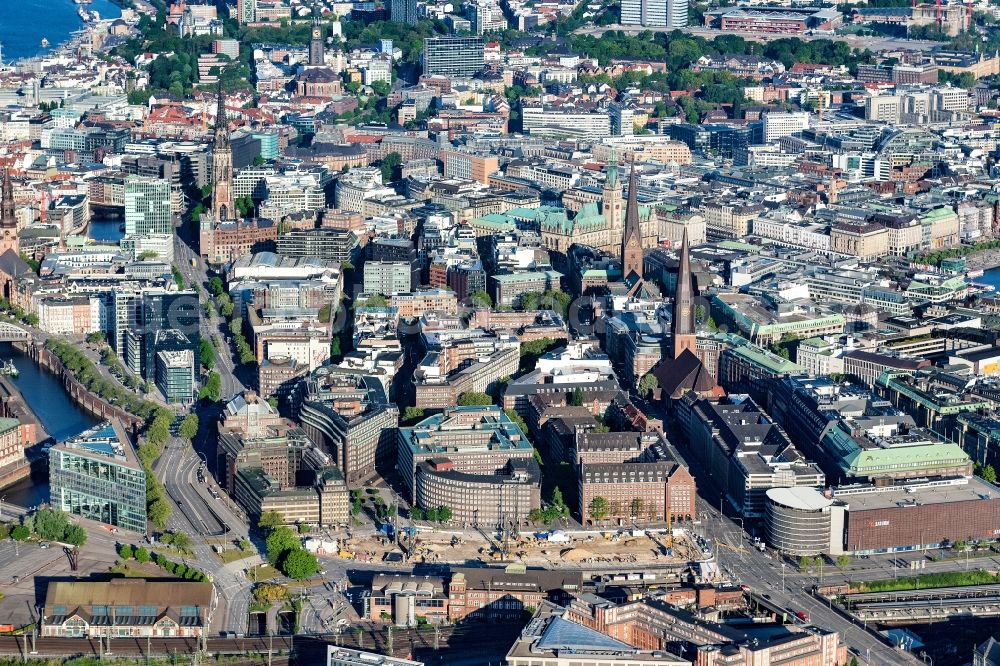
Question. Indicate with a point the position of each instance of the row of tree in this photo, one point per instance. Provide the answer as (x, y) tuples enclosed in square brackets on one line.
[(178, 569), (46, 524), (88, 375)]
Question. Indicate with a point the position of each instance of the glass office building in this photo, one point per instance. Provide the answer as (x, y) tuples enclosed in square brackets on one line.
[(96, 475)]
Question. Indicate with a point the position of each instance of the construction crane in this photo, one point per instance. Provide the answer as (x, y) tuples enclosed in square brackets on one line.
[(937, 12), (670, 526)]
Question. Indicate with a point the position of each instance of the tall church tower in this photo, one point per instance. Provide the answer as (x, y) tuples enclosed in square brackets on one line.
[(222, 165), (612, 205), (8, 219), (317, 54), (683, 323), (632, 238)]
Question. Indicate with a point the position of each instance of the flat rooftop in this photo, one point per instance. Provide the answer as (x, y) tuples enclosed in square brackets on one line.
[(868, 498)]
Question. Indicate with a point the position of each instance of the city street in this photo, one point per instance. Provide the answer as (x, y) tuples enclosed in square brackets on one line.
[(210, 328), (202, 517), (855, 41)]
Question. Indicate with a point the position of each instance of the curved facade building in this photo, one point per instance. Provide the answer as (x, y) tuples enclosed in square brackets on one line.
[(487, 500), (351, 418), (803, 521)]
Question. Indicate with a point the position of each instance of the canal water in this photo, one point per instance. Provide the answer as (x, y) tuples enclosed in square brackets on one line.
[(106, 231), (61, 418), (991, 277)]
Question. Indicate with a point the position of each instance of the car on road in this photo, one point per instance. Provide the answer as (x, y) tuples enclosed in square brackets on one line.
[(43, 544), (802, 615)]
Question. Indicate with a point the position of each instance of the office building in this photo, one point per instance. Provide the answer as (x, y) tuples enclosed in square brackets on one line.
[(455, 57), (403, 11), (779, 124), (388, 277), (97, 476), (175, 372), (655, 13), (475, 440), (470, 167), (745, 453), (170, 322), (328, 243), (282, 471), (351, 418), (147, 206)]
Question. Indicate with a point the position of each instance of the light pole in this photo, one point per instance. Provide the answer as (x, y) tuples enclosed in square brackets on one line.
[(782, 575)]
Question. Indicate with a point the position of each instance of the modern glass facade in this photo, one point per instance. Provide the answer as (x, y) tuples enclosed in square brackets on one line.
[(97, 476)]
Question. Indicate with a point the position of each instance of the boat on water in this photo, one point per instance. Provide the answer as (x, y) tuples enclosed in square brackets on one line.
[(8, 368), (45, 43), (974, 273)]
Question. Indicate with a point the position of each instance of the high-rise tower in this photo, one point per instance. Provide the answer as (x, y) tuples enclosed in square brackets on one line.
[(8, 219), (632, 238), (222, 165), (683, 323)]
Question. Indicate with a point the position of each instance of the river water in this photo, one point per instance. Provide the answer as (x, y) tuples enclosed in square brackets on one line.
[(24, 23)]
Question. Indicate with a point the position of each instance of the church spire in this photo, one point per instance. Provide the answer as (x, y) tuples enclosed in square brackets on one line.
[(7, 218), (683, 323), (632, 238), (221, 122), (222, 165)]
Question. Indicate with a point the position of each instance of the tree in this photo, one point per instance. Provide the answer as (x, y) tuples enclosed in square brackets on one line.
[(637, 505), (648, 384), (216, 286), (989, 474), (212, 390), (480, 299), (518, 421), (335, 352), (843, 560), (279, 542), (125, 551), (141, 555), (474, 398), (576, 400), (75, 535), (303, 528), (413, 414), (391, 167), (182, 541), (189, 427), (50, 524), (444, 514), (376, 301), (206, 353), (270, 520), (299, 564), (20, 533), (598, 508), (159, 511), (805, 563)]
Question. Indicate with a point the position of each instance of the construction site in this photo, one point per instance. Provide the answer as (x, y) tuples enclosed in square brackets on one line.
[(545, 549)]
